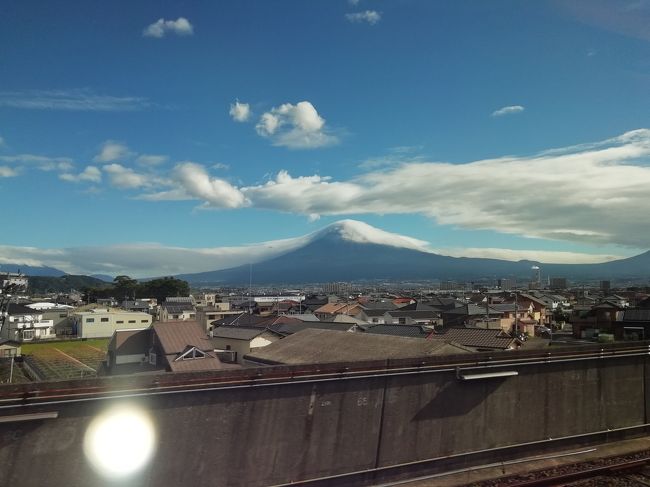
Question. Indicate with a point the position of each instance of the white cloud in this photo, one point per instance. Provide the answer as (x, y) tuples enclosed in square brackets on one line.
[(370, 16), (544, 256), (112, 151), (152, 259), (394, 156), (268, 124), (181, 26), (176, 194), (44, 163), (354, 3), (126, 178), (73, 100), (596, 193), (295, 126), (216, 193), (8, 172), (309, 195), (2, 142), (509, 110), (361, 232), (90, 174), (240, 112), (146, 259), (151, 160), (220, 165)]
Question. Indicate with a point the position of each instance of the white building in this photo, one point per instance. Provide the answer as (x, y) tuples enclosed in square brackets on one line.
[(25, 324), (102, 322), (13, 279)]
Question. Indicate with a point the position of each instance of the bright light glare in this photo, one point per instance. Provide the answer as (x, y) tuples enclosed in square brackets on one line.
[(120, 441)]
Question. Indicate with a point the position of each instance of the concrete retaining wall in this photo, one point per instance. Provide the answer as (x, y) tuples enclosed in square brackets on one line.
[(291, 432)]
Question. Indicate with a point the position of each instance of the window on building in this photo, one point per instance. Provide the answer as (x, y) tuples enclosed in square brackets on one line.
[(104, 320), (191, 354), (63, 315), (119, 321), (131, 321), (144, 321), (90, 320)]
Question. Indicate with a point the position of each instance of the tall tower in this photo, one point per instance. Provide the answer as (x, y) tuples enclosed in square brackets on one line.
[(536, 280)]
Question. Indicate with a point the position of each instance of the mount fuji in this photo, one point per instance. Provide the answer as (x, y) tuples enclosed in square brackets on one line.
[(350, 250)]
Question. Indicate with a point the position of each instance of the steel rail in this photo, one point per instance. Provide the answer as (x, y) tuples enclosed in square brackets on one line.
[(561, 479), (386, 469), (476, 468)]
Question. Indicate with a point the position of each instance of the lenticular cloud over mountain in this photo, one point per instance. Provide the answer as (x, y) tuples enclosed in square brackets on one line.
[(153, 259)]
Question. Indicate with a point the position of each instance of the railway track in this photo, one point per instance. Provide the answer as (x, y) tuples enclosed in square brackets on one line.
[(631, 470)]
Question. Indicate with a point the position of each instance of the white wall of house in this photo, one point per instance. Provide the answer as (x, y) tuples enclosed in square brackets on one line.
[(129, 359), (102, 323), (242, 347), (28, 327), (263, 340)]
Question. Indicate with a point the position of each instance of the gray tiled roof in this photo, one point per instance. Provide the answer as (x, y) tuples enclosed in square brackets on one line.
[(287, 329), (237, 332), (476, 337), (327, 346), (412, 331), (177, 307), (16, 309), (415, 314), (375, 312)]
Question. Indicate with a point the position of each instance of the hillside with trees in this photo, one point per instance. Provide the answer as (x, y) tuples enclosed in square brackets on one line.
[(63, 284), (124, 287)]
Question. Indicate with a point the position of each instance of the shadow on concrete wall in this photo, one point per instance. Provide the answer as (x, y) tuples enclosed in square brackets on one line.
[(458, 398)]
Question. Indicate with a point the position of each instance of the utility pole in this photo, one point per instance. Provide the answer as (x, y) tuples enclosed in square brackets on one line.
[(516, 310)]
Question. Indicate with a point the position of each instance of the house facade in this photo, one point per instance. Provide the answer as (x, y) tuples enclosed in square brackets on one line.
[(241, 340), (102, 322), (26, 324)]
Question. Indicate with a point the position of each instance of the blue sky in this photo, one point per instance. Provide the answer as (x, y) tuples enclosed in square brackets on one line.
[(371, 110)]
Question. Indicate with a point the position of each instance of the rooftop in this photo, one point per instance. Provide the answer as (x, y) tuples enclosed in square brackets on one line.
[(175, 336), (327, 346), (479, 338)]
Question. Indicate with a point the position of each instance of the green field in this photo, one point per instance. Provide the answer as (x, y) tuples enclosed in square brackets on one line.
[(101, 343), (66, 359)]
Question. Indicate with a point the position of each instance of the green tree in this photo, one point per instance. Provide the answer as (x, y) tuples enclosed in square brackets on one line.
[(163, 288), (124, 287)]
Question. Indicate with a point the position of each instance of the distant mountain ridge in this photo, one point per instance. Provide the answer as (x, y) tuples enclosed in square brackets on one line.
[(29, 270), (63, 284), (354, 251)]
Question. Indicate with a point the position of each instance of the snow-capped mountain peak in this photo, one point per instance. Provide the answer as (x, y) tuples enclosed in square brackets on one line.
[(360, 232)]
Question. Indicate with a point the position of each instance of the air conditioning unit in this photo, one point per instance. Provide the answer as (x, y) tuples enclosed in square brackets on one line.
[(227, 356)]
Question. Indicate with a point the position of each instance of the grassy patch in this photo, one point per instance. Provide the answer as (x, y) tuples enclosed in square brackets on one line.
[(66, 359), (65, 346)]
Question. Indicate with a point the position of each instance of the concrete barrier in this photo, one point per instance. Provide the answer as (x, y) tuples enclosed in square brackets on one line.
[(290, 432)]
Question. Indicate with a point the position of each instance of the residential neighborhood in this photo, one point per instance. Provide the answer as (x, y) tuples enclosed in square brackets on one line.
[(47, 337)]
